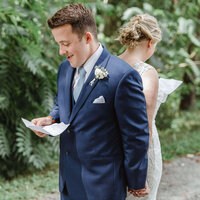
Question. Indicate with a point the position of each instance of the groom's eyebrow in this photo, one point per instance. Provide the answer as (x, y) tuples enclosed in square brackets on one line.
[(62, 41)]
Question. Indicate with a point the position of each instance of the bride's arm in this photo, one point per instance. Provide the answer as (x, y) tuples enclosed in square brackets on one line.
[(150, 89)]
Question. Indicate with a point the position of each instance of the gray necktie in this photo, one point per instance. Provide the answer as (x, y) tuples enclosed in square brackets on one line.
[(79, 85)]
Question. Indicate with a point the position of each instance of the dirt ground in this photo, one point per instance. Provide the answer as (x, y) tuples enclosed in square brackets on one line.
[(180, 180)]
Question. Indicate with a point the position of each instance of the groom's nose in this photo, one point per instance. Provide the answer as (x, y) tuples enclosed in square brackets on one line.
[(62, 51)]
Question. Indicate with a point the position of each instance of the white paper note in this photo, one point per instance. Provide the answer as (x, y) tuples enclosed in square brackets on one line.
[(53, 129)]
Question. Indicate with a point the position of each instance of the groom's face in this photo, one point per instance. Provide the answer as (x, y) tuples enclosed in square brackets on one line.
[(75, 49)]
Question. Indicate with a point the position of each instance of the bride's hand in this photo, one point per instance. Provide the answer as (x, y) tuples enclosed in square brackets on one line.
[(141, 192)]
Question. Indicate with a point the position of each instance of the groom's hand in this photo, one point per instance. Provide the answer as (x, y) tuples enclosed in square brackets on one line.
[(42, 121), (141, 192)]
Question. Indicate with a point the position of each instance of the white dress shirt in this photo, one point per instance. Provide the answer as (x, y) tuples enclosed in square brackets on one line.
[(88, 65)]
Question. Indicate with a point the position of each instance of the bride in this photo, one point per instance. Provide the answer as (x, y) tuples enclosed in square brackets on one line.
[(140, 36)]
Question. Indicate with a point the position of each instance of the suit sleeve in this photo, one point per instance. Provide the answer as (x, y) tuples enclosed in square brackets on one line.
[(131, 113), (55, 109)]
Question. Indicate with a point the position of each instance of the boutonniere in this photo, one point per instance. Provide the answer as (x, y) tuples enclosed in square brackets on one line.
[(100, 73)]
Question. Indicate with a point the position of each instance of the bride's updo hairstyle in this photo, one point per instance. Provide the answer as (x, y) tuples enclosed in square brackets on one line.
[(139, 28)]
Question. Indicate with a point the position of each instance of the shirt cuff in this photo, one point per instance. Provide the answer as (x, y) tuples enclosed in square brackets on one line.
[(53, 120)]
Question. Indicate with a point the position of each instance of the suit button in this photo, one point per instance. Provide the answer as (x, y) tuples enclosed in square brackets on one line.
[(67, 153), (68, 131)]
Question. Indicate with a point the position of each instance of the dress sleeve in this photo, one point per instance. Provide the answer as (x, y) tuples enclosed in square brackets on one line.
[(166, 87)]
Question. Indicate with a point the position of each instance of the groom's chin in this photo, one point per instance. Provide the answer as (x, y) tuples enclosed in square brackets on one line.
[(74, 66)]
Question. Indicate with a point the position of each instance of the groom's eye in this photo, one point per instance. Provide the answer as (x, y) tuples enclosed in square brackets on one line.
[(66, 44)]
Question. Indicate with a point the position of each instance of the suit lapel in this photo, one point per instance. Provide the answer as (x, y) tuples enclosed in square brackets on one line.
[(68, 90), (87, 88)]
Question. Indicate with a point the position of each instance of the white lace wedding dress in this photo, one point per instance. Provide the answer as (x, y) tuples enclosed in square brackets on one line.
[(166, 86)]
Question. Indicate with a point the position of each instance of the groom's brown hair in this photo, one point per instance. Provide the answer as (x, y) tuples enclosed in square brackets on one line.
[(78, 16)]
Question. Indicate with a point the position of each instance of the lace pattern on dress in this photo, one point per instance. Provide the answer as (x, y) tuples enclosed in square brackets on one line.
[(166, 86), (155, 159), (142, 67)]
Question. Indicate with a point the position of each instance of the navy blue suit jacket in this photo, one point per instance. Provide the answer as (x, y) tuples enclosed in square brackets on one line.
[(104, 150)]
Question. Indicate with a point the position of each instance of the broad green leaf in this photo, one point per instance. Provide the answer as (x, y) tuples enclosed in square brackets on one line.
[(193, 66), (3, 17), (147, 7), (194, 40), (130, 12)]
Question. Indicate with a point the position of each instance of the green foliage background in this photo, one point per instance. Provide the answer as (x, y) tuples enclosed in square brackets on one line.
[(29, 61)]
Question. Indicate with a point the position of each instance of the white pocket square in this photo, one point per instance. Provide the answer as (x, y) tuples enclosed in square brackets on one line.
[(99, 100)]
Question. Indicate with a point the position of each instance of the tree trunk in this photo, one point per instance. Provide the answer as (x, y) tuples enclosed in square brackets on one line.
[(187, 100)]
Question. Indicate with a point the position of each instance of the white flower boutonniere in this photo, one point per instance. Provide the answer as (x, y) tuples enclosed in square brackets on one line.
[(100, 73)]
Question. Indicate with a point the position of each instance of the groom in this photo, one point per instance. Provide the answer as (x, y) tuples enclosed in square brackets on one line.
[(104, 150)]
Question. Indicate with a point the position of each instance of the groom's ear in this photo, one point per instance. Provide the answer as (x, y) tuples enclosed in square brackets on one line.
[(88, 37)]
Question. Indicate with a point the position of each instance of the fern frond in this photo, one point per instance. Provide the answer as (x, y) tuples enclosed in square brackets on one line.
[(5, 88), (39, 157), (4, 143), (23, 141), (33, 152), (53, 144), (47, 95), (28, 84), (10, 30), (29, 62)]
